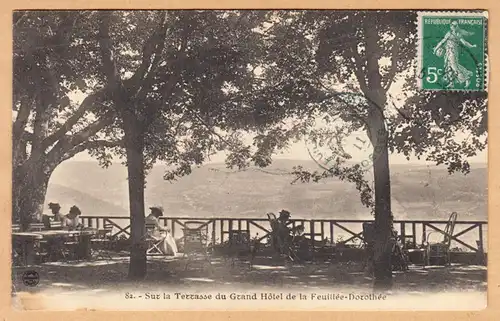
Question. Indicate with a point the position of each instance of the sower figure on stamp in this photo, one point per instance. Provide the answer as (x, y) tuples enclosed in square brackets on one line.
[(452, 41)]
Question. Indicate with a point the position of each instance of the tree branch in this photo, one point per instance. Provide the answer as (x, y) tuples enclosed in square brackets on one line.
[(89, 145), (106, 49), (153, 46), (88, 104), (374, 79), (64, 145), (358, 70), (394, 59), (167, 93), (21, 119)]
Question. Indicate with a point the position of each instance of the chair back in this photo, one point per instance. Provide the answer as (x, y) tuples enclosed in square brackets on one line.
[(149, 228), (56, 225), (103, 233), (46, 221), (239, 237), (108, 225), (273, 222), (195, 236), (36, 227), (449, 229), (369, 233)]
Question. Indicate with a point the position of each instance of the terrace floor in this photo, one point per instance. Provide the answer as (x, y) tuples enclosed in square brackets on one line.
[(108, 278)]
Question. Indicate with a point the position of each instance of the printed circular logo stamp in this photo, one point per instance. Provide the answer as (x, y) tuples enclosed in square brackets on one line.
[(452, 51), (31, 278)]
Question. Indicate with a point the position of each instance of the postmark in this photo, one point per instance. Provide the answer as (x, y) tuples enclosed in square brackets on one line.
[(345, 145), (452, 51)]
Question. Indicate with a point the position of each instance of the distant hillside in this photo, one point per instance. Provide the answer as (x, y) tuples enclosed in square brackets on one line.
[(213, 190)]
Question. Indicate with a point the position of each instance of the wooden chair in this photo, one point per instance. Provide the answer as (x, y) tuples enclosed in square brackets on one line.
[(281, 243), (240, 246), (56, 225), (440, 250), (398, 258), (36, 227), (196, 242), (46, 221), (102, 243), (368, 243), (480, 253), (60, 247), (50, 224), (153, 244)]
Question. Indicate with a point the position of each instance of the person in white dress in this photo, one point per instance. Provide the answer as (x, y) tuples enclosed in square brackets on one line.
[(168, 245), (71, 220)]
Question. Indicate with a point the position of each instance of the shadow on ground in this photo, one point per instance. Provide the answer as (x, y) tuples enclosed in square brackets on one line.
[(110, 275)]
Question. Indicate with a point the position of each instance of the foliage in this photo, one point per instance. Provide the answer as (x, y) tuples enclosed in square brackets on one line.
[(341, 69), (197, 75), (63, 102)]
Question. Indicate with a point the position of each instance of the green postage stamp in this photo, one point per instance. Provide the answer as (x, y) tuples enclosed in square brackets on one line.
[(452, 51)]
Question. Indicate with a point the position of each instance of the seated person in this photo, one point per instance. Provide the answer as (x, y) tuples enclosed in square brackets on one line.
[(71, 220), (282, 234), (55, 208), (160, 233)]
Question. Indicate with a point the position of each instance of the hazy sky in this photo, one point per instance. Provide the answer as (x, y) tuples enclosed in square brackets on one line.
[(357, 145), (300, 151)]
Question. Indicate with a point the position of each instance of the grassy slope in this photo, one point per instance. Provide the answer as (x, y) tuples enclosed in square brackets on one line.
[(213, 190)]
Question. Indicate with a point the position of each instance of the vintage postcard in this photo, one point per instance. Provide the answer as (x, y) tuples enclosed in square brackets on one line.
[(288, 160)]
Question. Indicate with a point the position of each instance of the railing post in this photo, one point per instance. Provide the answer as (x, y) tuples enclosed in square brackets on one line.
[(213, 232), (424, 233), (332, 238), (230, 229), (481, 243), (403, 234), (322, 231), (414, 234), (312, 232), (221, 231)]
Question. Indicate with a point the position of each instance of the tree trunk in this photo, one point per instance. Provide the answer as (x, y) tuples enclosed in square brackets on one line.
[(383, 214), (134, 144), (28, 195)]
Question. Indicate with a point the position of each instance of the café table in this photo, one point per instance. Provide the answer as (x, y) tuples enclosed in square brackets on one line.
[(83, 249), (27, 240)]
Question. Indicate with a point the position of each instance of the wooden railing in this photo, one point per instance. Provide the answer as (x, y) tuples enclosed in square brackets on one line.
[(469, 235)]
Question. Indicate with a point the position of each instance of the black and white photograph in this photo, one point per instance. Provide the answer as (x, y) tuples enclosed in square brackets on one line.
[(249, 160)]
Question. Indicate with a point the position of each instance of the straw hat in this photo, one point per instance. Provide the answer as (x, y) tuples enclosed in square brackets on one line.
[(158, 209), (284, 213), (54, 205)]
